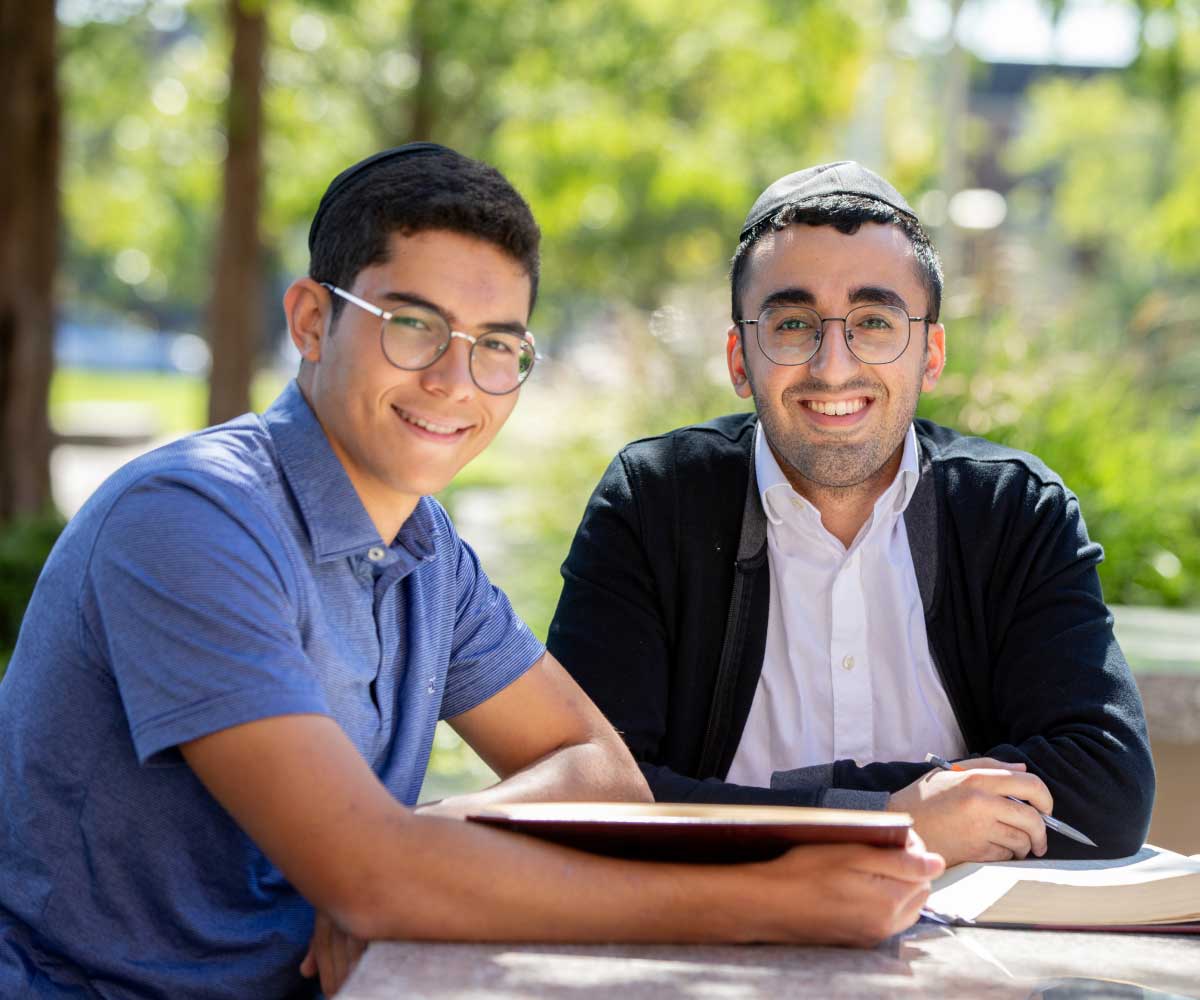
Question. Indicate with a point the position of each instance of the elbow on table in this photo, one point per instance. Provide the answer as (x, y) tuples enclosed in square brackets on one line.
[(1133, 824), (1122, 822)]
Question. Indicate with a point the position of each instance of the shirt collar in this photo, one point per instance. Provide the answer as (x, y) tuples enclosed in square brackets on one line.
[(909, 472), (775, 490), (338, 524), (773, 486)]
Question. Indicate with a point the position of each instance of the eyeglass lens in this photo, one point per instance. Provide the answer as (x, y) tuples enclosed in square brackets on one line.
[(875, 334), (415, 338)]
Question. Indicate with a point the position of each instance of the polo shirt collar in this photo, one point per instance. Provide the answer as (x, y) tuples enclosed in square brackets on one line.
[(337, 522)]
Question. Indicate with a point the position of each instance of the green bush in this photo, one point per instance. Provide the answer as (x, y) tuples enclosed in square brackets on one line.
[(1129, 449), (24, 545)]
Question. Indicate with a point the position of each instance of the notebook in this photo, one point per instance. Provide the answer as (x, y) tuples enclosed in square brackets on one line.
[(695, 833), (1151, 891)]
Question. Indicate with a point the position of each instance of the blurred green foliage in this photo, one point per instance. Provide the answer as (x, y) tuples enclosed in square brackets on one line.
[(637, 139), (24, 545), (1134, 464)]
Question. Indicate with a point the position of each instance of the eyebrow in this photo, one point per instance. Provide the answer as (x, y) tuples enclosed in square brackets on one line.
[(798, 296), (411, 299)]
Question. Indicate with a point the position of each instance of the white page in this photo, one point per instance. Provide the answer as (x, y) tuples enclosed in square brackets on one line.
[(965, 891)]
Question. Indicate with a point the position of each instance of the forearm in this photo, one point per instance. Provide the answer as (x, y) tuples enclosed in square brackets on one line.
[(452, 880), (460, 881), (598, 770)]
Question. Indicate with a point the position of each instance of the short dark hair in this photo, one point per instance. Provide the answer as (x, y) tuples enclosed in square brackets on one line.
[(435, 189), (846, 213)]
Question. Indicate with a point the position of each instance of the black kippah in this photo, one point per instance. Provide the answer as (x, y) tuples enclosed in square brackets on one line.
[(343, 180)]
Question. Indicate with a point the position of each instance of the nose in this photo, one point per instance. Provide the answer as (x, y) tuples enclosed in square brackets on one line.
[(450, 375), (833, 363)]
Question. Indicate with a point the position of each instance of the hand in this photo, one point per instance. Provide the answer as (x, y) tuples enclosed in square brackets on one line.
[(965, 815), (845, 894), (332, 954)]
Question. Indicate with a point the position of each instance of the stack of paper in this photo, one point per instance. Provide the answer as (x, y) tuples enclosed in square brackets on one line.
[(1151, 890)]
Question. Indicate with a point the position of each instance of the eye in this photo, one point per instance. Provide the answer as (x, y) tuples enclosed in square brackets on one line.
[(498, 345), (411, 321), (794, 324), (874, 320)]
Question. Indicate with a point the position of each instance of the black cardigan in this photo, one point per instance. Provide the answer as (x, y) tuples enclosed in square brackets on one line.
[(1017, 626)]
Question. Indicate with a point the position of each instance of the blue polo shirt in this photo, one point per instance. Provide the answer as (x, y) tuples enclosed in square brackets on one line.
[(230, 576)]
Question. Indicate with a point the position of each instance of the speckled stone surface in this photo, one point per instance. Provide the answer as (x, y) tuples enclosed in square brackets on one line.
[(927, 961)]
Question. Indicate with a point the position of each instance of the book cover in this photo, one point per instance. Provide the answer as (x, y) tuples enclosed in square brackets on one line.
[(695, 833)]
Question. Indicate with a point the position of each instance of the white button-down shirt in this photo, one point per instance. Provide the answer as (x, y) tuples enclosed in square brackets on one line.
[(846, 671)]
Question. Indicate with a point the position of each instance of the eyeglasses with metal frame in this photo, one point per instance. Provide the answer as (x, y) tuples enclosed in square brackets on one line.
[(876, 334), (413, 337)]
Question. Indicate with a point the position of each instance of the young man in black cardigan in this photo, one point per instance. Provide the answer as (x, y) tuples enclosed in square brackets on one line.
[(796, 605)]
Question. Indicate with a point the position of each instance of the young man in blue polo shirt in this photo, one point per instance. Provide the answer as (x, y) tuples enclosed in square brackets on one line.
[(222, 702)]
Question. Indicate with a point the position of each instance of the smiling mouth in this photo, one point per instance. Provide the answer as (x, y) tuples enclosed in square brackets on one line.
[(837, 408), (443, 430)]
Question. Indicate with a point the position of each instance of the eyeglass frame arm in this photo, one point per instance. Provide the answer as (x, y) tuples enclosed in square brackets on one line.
[(385, 315)]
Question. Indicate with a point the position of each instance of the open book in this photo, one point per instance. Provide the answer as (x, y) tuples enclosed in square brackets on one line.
[(695, 833), (1153, 890)]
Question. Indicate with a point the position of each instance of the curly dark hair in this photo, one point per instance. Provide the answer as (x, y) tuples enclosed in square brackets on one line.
[(430, 188)]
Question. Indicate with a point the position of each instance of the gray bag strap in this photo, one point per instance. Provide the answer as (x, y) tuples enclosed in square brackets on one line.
[(751, 551), (921, 526)]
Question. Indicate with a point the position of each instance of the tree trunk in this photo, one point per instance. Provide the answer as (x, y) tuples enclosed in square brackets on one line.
[(425, 97), (29, 217), (235, 314)]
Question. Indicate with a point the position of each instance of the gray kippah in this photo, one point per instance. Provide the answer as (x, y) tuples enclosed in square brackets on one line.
[(843, 177)]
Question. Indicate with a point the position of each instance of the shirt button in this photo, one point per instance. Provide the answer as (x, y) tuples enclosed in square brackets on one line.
[(847, 662), (375, 553)]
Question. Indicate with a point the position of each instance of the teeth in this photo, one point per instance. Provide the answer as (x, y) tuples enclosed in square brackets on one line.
[(836, 409), (428, 425)]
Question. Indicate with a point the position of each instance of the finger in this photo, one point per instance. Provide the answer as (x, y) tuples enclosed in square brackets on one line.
[(353, 952), (308, 964), (910, 912), (1026, 787), (1026, 819), (903, 865), (1029, 788), (1013, 838), (341, 959), (357, 948), (322, 944), (990, 763), (898, 904), (994, 852), (915, 843)]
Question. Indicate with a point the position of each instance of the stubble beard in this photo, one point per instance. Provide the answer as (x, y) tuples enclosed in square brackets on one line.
[(815, 465)]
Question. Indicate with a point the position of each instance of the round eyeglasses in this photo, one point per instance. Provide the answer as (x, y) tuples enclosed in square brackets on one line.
[(875, 334), (413, 337)]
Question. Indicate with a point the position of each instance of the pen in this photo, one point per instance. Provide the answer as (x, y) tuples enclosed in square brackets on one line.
[(1054, 824)]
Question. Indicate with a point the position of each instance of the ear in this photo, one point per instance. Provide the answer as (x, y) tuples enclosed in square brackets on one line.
[(935, 356), (305, 306), (735, 357)]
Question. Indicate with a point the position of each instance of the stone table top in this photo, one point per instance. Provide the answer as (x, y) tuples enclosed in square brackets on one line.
[(928, 960)]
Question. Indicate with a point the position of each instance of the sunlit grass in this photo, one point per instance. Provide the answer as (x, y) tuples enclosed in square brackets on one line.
[(177, 402)]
